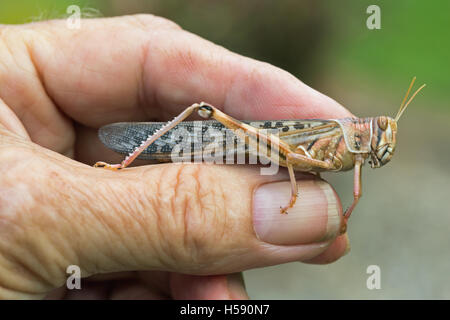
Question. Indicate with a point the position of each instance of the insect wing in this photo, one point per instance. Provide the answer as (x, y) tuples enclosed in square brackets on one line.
[(190, 139), (187, 139)]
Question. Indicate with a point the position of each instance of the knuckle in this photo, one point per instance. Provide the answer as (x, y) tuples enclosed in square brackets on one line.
[(148, 22), (197, 207)]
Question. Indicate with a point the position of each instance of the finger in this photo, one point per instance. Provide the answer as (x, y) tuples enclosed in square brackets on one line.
[(187, 209), (157, 280), (56, 294), (114, 276), (90, 291), (10, 121), (148, 68), (170, 66), (134, 290), (339, 248), (182, 286), (219, 287), (118, 285)]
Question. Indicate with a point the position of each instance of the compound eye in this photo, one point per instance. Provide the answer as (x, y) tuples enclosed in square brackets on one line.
[(205, 111), (382, 123)]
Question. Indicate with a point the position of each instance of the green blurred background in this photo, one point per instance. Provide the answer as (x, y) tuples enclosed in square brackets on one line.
[(402, 222)]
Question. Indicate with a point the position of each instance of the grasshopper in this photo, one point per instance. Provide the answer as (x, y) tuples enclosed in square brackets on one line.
[(314, 145)]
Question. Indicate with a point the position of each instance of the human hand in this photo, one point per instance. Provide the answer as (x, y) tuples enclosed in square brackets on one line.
[(160, 231)]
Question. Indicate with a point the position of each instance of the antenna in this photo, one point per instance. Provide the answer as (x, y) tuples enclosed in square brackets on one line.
[(404, 105)]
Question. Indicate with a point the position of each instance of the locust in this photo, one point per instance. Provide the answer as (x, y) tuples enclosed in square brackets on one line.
[(307, 145)]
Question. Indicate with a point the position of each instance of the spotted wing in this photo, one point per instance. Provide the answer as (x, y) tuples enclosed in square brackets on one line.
[(195, 138)]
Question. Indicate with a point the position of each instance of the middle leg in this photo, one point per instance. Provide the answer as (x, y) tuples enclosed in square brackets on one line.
[(294, 190)]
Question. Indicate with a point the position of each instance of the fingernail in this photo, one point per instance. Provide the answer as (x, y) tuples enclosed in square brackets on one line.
[(315, 216), (236, 286)]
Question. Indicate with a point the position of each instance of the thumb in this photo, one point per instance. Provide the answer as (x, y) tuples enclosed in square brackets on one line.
[(189, 218), (209, 219)]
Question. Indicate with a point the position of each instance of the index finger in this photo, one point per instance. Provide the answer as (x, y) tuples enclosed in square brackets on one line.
[(141, 67)]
